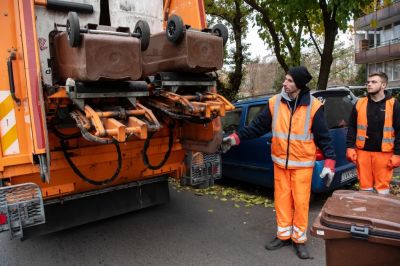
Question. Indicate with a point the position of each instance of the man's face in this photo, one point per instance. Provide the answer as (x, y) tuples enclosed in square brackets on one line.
[(375, 85), (288, 85)]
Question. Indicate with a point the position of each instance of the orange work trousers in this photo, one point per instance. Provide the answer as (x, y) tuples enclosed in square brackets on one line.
[(292, 197), (373, 172)]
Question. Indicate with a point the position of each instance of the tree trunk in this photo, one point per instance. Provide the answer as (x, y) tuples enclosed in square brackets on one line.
[(331, 30), (236, 78)]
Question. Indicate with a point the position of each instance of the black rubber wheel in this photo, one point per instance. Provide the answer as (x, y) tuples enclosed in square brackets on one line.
[(143, 28), (175, 29), (221, 31), (73, 29)]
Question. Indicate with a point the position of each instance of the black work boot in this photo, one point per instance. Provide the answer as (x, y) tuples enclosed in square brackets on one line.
[(277, 244), (301, 250)]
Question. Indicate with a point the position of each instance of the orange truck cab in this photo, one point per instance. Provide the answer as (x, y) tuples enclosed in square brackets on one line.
[(96, 114)]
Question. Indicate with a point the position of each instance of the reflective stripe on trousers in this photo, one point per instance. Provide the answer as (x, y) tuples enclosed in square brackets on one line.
[(383, 191), (299, 236), (284, 232)]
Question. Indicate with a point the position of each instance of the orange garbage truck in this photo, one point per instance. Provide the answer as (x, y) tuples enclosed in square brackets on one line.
[(100, 103)]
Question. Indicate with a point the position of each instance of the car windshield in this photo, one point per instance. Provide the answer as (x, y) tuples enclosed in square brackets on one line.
[(337, 108)]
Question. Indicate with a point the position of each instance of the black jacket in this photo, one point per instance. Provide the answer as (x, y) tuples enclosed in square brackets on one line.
[(262, 124), (375, 122)]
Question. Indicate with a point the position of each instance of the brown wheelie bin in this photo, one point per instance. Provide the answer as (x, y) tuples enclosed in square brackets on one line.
[(360, 228), (99, 57), (197, 52), (96, 52)]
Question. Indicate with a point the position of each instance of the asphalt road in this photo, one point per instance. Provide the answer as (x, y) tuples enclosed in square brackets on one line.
[(190, 230)]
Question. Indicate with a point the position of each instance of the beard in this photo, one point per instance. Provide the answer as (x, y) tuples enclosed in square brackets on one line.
[(373, 93)]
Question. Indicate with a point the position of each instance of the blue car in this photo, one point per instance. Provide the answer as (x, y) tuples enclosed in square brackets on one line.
[(251, 160)]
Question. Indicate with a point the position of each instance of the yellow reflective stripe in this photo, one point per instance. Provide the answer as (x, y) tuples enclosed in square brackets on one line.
[(6, 106), (9, 138)]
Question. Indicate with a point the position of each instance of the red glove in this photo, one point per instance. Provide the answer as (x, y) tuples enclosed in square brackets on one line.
[(228, 142), (394, 162), (351, 155)]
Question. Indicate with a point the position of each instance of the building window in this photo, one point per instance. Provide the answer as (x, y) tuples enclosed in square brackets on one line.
[(389, 69), (396, 70), (387, 34), (378, 37), (371, 41), (371, 68), (379, 67), (396, 30)]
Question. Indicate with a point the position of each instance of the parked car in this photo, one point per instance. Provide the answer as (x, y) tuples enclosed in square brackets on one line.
[(251, 160), (357, 90), (395, 92)]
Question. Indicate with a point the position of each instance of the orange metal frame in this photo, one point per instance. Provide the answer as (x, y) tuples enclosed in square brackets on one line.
[(191, 12)]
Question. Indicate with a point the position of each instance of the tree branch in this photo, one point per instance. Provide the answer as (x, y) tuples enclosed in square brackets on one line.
[(272, 32), (312, 36)]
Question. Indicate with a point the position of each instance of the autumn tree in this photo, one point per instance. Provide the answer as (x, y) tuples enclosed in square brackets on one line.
[(289, 25), (235, 13)]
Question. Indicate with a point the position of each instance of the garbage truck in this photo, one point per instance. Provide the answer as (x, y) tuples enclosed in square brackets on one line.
[(100, 103)]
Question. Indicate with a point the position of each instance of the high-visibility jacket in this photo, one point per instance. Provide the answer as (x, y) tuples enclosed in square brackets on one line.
[(292, 139), (362, 124)]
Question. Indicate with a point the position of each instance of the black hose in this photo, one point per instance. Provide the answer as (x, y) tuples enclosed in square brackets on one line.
[(90, 137), (191, 119), (166, 156), (83, 177), (63, 136)]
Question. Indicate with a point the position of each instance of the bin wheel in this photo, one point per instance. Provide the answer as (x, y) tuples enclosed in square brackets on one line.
[(175, 29), (143, 28), (221, 31), (73, 29)]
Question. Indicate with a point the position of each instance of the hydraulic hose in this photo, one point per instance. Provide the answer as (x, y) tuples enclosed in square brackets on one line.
[(82, 176), (166, 156), (90, 137)]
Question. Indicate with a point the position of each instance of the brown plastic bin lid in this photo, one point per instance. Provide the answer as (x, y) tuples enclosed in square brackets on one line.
[(363, 214)]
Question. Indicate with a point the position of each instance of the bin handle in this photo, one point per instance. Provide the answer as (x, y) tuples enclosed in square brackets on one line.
[(359, 232), (11, 77)]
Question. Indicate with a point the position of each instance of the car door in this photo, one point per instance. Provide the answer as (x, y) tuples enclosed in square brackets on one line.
[(251, 160)]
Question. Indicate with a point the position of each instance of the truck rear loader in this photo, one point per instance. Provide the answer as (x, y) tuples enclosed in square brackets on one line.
[(100, 103)]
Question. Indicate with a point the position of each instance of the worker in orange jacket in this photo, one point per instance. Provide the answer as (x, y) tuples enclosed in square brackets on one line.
[(298, 126), (373, 138)]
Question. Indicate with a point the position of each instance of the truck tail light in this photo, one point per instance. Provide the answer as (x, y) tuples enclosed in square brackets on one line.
[(320, 155), (3, 218)]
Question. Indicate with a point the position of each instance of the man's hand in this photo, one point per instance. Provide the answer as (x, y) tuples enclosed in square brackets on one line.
[(328, 172), (228, 142), (394, 162), (351, 155)]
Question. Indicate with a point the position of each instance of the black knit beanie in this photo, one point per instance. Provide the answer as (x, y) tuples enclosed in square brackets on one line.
[(300, 76)]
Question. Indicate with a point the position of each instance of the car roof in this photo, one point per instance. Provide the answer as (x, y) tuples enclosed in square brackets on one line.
[(264, 98)]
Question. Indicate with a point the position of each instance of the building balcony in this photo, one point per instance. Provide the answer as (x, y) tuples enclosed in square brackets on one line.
[(384, 16), (389, 50)]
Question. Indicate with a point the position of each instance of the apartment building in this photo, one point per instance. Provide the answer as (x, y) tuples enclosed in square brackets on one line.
[(377, 42)]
